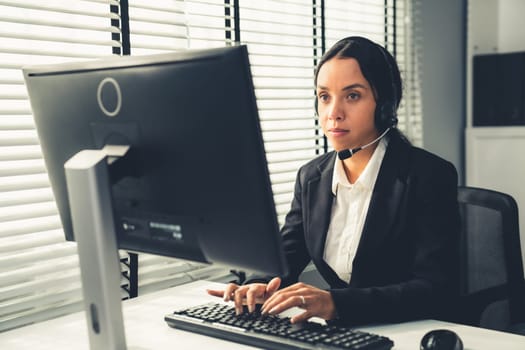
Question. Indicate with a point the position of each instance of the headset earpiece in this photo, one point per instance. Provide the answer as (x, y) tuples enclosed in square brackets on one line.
[(385, 116), (386, 111)]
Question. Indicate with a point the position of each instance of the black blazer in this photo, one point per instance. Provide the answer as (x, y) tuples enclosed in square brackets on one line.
[(406, 262)]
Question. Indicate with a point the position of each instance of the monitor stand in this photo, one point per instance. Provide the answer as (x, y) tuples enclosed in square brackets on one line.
[(89, 192)]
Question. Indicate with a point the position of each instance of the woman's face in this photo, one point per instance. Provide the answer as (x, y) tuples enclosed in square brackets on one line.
[(346, 104)]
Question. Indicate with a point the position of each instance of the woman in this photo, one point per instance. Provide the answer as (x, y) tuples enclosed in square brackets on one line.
[(379, 218)]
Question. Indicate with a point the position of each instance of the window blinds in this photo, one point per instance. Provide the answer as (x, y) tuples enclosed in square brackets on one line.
[(409, 55), (39, 277), (284, 42)]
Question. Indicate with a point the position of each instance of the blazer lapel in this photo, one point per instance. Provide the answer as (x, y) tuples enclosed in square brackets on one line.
[(319, 207), (319, 210), (387, 193)]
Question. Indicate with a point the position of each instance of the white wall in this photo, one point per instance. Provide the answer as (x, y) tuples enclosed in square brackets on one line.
[(496, 26), (443, 78), (511, 26), (483, 19)]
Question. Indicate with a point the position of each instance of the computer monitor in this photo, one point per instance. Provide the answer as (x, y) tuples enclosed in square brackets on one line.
[(192, 180), (195, 184)]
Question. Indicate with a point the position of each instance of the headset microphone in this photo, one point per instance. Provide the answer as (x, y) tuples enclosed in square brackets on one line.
[(347, 153)]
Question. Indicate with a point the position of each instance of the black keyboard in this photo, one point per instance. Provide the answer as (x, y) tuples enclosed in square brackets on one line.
[(270, 331)]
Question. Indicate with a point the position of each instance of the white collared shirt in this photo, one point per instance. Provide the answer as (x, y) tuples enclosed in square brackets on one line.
[(349, 211)]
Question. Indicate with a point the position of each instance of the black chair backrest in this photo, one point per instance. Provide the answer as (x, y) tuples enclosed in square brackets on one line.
[(492, 283)]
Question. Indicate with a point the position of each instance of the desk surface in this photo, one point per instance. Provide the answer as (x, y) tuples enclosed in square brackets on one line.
[(146, 329)]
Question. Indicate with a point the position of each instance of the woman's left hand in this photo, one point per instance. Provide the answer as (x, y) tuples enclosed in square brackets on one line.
[(315, 302)]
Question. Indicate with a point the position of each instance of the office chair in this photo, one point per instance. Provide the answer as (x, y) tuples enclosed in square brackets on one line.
[(492, 284)]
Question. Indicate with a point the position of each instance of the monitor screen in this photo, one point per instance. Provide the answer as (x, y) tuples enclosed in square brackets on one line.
[(194, 183)]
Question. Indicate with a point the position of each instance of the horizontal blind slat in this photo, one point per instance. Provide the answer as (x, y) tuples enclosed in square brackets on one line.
[(14, 198), (23, 182), (27, 211), (22, 167), (156, 7), (30, 240), (20, 152), (22, 227), (56, 52), (32, 301), (54, 38), (42, 313), (16, 123), (46, 267), (264, 11), (18, 259), (275, 140), (67, 277), (73, 10), (45, 22)]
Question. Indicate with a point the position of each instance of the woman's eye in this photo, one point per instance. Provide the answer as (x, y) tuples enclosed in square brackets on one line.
[(353, 96), (323, 97)]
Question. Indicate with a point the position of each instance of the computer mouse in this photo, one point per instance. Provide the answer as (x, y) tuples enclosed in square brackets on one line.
[(441, 339)]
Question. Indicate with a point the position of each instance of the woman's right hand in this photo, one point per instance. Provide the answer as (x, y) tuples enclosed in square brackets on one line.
[(249, 295)]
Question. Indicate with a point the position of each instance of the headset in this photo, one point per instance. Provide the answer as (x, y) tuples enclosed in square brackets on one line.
[(386, 113)]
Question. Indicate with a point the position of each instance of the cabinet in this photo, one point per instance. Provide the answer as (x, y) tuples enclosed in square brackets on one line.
[(499, 89)]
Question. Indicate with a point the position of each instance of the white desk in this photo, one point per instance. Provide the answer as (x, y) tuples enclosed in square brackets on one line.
[(146, 329)]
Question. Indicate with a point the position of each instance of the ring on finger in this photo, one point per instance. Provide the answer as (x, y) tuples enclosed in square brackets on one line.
[(303, 302)]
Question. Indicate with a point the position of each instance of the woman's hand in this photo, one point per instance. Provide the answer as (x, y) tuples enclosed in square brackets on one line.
[(315, 302), (249, 295)]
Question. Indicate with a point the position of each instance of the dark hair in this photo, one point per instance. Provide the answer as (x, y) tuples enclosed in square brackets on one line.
[(380, 70)]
